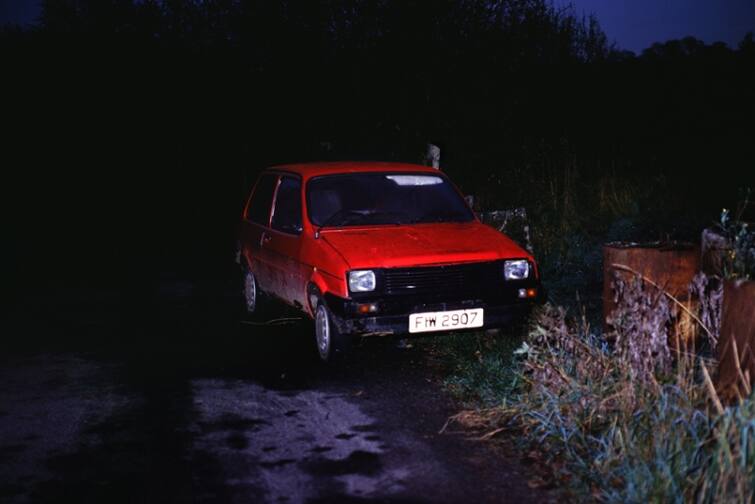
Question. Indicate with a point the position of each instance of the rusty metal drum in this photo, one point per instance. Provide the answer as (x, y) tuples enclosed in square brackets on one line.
[(735, 376)]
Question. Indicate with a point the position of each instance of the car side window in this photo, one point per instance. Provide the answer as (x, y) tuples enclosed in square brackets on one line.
[(287, 213), (262, 199)]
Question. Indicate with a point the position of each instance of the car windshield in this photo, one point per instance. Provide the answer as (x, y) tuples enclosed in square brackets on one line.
[(384, 198)]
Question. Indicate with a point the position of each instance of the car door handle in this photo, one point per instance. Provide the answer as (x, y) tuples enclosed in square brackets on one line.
[(265, 238)]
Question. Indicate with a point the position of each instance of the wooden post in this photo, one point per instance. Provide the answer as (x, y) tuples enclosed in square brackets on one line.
[(433, 156)]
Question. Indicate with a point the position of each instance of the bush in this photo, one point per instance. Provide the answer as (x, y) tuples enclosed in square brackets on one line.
[(625, 416), (633, 420), (739, 263)]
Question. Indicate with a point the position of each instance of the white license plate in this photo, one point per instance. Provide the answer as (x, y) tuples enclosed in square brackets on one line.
[(445, 320)]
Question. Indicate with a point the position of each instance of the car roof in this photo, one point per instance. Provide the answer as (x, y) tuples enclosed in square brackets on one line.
[(308, 170)]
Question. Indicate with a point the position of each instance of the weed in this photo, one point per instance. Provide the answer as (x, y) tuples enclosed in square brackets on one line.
[(480, 367), (631, 423), (739, 262), (625, 417)]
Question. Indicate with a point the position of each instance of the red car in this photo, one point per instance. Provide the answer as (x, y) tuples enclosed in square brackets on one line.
[(378, 249)]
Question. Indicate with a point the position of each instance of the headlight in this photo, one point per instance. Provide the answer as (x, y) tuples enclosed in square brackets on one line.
[(516, 270), (361, 281)]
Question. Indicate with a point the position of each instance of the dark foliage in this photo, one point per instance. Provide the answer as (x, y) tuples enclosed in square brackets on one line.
[(138, 125)]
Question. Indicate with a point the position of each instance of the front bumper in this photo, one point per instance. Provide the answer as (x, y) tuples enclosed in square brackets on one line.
[(393, 314)]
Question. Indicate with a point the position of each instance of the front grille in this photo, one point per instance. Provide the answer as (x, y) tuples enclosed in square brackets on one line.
[(456, 280)]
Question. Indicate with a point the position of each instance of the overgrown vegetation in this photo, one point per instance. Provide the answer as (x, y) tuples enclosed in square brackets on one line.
[(482, 366), (629, 416), (632, 423), (739, 261)]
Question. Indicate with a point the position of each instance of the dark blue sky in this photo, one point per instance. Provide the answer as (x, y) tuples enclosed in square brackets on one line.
[(632, 24), (635, 24), (18, 11)]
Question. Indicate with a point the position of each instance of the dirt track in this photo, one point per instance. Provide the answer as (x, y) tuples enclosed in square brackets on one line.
[(170, 399)]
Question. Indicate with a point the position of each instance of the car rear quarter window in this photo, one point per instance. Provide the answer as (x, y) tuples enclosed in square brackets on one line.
[(262, 199), (287, 213)]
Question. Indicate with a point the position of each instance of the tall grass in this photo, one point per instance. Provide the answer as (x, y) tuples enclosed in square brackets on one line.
[(627, 416), (629, 429)]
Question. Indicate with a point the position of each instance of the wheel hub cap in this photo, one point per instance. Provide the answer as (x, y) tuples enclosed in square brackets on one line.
[(322, 331), (250, 292)]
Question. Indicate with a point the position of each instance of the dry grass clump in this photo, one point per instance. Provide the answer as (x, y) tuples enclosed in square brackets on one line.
[(711, 296), (641, 324), (632, 420)]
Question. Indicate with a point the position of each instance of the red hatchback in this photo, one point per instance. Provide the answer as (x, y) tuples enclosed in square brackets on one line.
[(378, 249)]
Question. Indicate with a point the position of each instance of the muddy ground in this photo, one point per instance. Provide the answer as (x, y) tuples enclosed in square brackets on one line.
[(111, 396)]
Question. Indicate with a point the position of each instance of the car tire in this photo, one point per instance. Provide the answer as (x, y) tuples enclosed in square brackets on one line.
[(254, 300), (331, 343)]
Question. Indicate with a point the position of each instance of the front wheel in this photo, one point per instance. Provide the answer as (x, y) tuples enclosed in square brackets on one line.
[(331, 344)]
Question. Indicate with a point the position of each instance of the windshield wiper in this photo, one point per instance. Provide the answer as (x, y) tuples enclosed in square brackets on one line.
[(346, 215), (356, 216), (443, 217)]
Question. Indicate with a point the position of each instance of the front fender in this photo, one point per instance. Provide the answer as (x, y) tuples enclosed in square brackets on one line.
[(322, 283)]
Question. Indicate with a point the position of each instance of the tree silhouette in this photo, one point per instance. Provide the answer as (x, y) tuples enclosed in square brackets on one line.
[(179, 102)]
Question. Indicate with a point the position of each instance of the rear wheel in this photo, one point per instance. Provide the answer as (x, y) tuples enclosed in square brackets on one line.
[(254, 298), (331, 344), (250, 292)]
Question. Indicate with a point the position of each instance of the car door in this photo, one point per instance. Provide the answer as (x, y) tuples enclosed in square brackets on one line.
[(255, 229), (284, 246)]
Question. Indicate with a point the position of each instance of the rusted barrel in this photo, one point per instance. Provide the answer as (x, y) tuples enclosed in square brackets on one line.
[(671, 265), (737, 326)]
